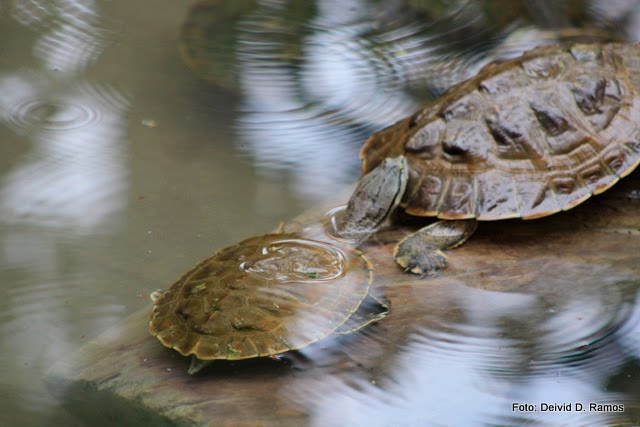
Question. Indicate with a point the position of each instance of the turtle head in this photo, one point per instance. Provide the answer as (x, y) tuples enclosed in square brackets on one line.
[(374, 199), (156, 295)]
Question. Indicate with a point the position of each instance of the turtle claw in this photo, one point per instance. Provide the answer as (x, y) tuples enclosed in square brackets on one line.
[(420, 252), (420, 262)]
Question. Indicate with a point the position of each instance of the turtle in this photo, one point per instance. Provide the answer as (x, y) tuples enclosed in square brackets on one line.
[(524, 138), (264, 296)]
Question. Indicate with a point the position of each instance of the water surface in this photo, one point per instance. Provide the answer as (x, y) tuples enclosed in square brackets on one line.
[(122, 166)]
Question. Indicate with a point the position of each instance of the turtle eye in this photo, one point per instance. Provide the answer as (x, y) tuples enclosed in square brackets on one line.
[(413, 120), (454, 149)]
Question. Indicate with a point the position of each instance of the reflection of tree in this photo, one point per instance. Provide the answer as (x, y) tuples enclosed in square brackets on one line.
[(317, 77)]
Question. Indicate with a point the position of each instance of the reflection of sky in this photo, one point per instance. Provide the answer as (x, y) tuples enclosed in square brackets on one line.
[(340, 73), (627, 11), (311, 120), (629, 334), (311, 101), (71, 182), (72, 32), (74, 175), (471, 371)]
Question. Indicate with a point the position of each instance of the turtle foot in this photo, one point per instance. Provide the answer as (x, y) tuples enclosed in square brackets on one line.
[(419, 260), (421, 253)]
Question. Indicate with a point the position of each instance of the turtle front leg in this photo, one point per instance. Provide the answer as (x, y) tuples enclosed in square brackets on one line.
[(197, 365), (421, 252)]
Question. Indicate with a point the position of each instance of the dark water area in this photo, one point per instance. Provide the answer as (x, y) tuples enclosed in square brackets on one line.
[(138, 137)]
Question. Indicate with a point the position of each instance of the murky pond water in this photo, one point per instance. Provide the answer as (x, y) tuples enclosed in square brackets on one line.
[(122, 166)]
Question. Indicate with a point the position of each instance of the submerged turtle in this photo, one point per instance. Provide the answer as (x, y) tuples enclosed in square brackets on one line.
[(525, 138), (264, 296)]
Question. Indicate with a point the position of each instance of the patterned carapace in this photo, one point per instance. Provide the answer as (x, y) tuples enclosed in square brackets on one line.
[(524, 138), (261, 297)]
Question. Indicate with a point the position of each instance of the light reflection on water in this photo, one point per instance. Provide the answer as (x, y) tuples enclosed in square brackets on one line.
[(318, 77), (72, 181), (75, 175), (97, 210), (484, 350)]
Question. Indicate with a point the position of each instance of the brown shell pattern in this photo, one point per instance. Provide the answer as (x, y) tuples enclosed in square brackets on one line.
[(524, 138), (264, 296)]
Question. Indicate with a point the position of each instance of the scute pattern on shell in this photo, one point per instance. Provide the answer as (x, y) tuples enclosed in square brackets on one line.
[(263, 296), (524, 138)]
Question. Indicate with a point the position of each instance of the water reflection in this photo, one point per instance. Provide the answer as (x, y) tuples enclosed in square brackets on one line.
[(318, 77), (74, 176), (70, 184), (494, 348), (72, 33), (629, 333), (308, 114), (315, 79), (296, 260)]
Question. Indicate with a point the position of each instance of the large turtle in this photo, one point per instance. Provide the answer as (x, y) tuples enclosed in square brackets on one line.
[(525, 138), (264, 296)]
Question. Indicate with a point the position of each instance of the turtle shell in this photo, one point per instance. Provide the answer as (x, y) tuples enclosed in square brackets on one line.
[(263, 296), (526, 138)]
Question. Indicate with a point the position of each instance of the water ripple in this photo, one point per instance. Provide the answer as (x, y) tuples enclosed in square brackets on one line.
[(629, 332), (74, 175), (492, 354), (73, 33), (39, 324), (42, 114), (318, 78), (546, 344), (582, 340)]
